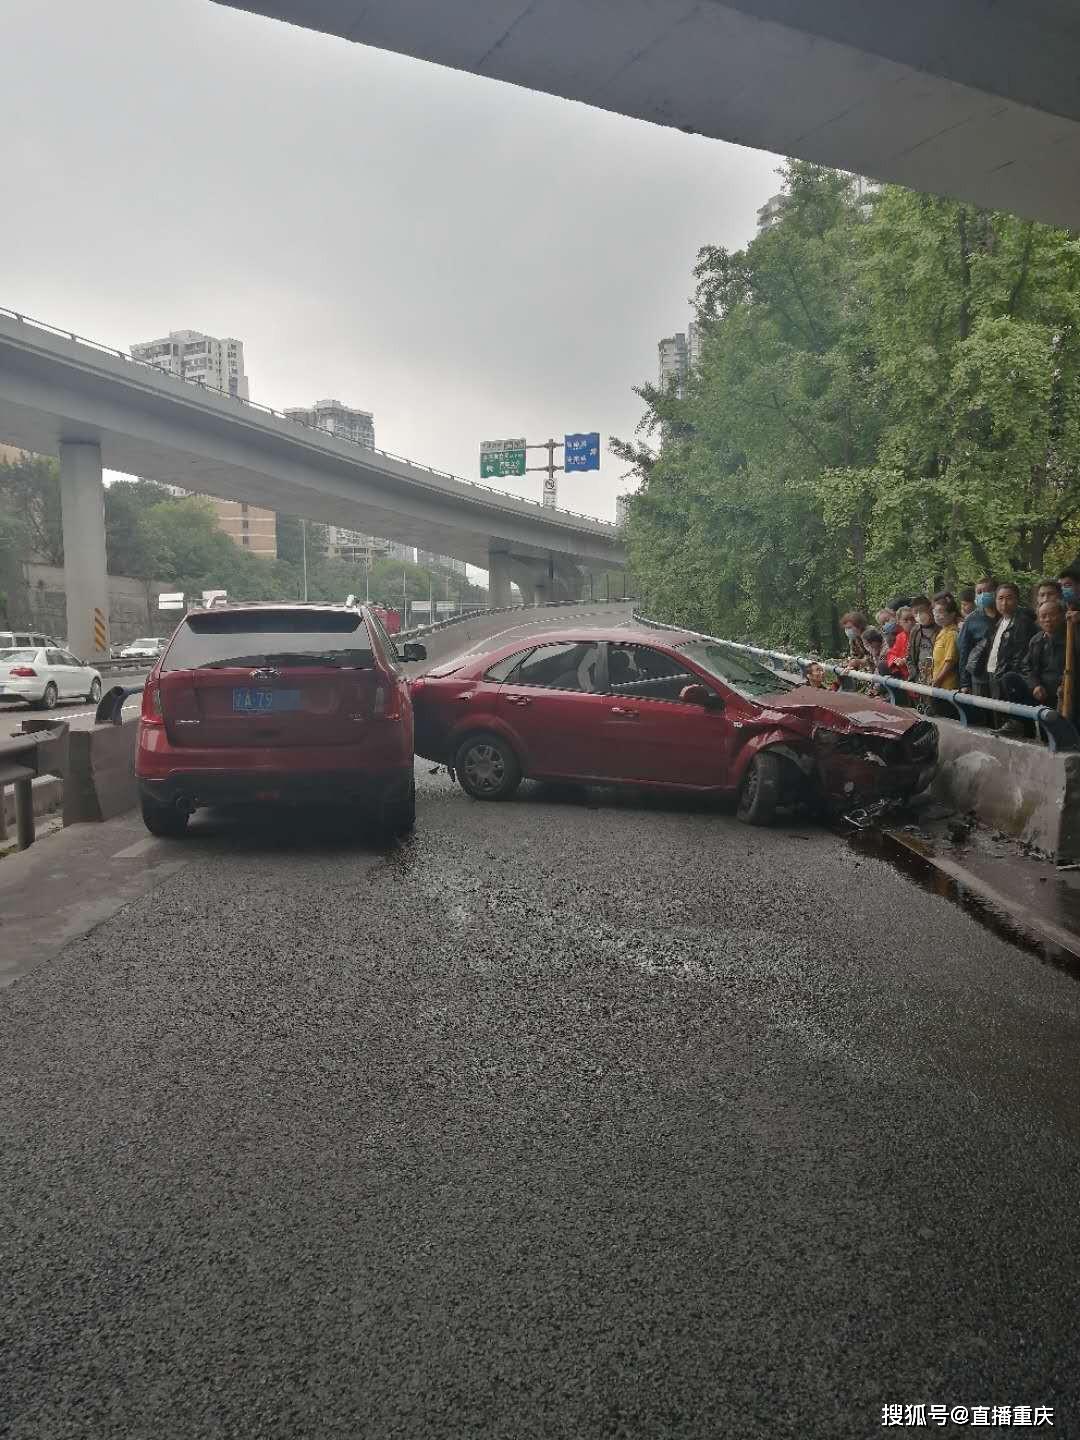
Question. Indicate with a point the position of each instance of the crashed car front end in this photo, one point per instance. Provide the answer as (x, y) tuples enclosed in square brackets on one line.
[(854, 768)]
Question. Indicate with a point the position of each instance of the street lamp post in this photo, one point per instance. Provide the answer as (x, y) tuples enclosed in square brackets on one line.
[(303, 539)]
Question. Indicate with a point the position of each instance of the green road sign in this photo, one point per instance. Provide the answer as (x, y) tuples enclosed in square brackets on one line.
[(501, 457)]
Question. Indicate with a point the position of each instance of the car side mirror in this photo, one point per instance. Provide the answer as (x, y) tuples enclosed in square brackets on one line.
[(701, 695), (413, 650)]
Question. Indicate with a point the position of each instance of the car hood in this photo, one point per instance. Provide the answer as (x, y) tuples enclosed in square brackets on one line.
[(843, 710)]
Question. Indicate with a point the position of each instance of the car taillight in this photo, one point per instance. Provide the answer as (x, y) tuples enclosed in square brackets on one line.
[(24, 672), (151, 706), (384, 704)]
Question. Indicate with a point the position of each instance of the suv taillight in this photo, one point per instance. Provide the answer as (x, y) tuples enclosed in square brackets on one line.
[(384, 703), (24, 672), (151, 706)]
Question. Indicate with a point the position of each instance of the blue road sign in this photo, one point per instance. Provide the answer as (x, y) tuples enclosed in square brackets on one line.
[(582, 452)]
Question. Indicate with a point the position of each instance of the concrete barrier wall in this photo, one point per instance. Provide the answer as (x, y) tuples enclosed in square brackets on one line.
[(1015, 786), (100, 782)]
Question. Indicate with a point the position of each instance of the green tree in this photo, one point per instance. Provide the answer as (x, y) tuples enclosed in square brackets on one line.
[(887, 399), (30, 498)]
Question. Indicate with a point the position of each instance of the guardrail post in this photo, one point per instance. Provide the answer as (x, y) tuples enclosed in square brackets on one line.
[(24, 813)]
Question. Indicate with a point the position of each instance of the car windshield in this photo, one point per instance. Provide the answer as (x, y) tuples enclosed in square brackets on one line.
[(147, 643), (273, 637), (735, 668), (8, 656)]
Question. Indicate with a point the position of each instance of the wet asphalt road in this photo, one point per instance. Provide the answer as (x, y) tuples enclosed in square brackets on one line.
[(562, 1120)]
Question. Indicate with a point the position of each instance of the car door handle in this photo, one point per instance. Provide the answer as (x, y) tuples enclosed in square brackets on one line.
[(519, 700), (627, 714)]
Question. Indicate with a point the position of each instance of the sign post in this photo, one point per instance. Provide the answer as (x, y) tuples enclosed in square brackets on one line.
[(507, 457)]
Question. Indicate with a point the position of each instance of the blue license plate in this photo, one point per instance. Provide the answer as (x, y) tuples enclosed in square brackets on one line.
[(260, 702)]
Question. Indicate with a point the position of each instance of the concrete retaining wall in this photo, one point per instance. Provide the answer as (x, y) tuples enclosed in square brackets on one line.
[(100, 781), (37, 599), (1014, 786)]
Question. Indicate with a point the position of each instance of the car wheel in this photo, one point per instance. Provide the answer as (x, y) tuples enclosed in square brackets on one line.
[(487, 768), (759, 793), (399, 815), (48, 700), (95, 692), (165, 821)]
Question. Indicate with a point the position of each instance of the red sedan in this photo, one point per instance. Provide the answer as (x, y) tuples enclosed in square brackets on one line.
[(666, 710)]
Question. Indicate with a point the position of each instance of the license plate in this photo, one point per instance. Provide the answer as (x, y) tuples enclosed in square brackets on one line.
[(261, 702)]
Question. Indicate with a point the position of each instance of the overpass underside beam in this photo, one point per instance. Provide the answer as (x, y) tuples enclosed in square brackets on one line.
[(82, 502), (539, 580)]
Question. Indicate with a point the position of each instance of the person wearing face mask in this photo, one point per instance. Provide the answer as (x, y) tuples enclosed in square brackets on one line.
[(1069, 580), (973, 642), (920, 653), (946, 651), (967, 601), (854, 623)]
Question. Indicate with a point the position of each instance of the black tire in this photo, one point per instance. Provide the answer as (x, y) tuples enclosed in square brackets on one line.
[(49, 699), (399, 815), (95, 693), (759, 793), (487, 768), (165, 821)]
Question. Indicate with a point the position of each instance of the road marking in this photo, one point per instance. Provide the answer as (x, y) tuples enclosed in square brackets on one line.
[(139, 848)]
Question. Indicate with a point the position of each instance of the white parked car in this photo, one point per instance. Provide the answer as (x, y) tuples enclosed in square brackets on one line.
[(148, 648), (43, 676)]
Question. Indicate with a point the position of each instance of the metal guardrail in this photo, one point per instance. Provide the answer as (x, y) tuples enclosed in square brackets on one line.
[(110, 710), (122, 667), (41, 750), (1058, 732), (125, 355)]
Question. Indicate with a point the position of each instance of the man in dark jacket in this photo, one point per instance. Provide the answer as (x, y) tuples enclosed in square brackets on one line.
[(974, 640), (1011, 638), (1039, 679)]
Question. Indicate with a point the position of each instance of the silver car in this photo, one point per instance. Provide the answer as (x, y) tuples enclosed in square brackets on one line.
[(147, 648), (42, 676)]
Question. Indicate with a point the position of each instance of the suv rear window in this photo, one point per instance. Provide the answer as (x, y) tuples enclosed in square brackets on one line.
[(218, 639)]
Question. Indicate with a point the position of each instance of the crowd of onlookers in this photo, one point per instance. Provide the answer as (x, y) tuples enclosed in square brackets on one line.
[(986, 641)]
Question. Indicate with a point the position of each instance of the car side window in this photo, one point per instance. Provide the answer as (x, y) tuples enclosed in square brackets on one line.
[(54, 657), (566, 666), (645, 673), (504, 668), (70, 659)]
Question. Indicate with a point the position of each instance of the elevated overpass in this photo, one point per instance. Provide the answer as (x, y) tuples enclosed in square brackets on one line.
[(972, 98), (97, 408)]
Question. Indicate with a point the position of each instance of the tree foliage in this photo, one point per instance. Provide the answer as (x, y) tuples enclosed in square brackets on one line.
[(886, 401)]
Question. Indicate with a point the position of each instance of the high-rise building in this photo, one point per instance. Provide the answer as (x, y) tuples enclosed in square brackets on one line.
[(339, 419), (679, 354), (191, 355)]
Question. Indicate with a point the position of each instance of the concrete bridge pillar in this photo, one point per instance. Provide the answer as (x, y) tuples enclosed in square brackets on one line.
[(498, 578), (82, 502)]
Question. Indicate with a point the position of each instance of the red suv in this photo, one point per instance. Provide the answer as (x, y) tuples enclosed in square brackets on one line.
[(277, 703), (663, 709)]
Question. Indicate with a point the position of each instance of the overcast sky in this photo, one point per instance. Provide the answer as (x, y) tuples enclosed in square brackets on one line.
[(466, 259)]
